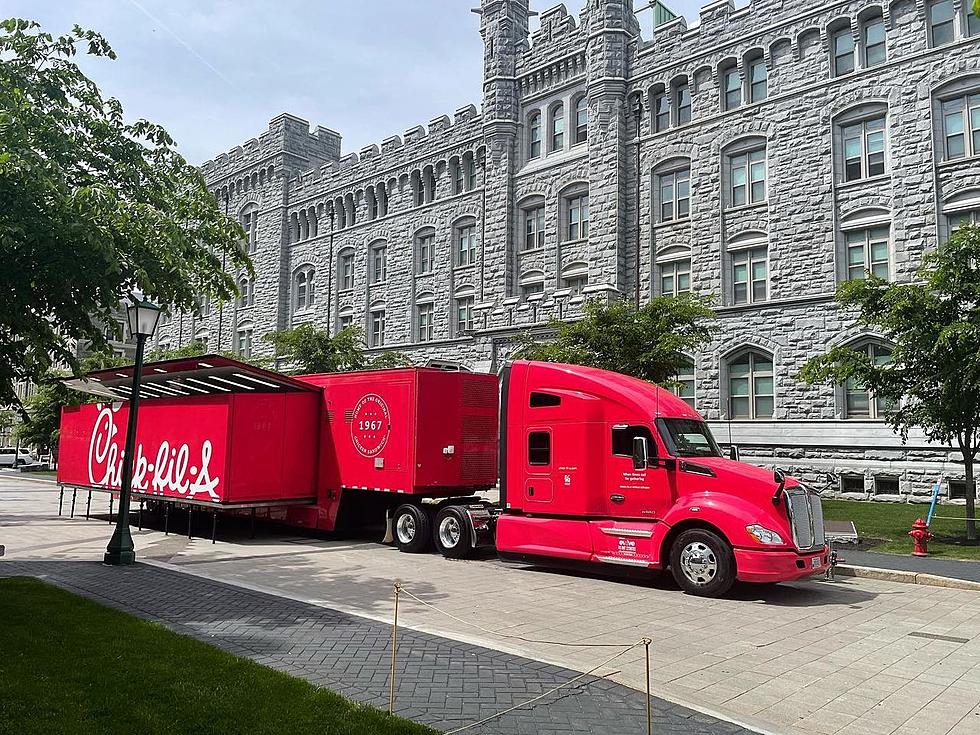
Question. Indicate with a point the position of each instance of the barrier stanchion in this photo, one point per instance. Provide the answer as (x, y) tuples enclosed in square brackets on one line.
[(646, 645), (394, 647)]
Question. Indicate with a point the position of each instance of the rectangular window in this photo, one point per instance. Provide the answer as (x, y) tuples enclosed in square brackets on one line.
[(758, 80), (942, 19), (749, 277), (425, 317), (464, 315), (961, 126), (843, 42), (732, 88), (379, 264), (534, 137), (458, 179), (682, 99), (864, 149), (576, 284), (972, 23), (539, 448), (577, 224), (867, 251), (661, 112), (675, 277), (852, 483), (466, 245), (469, 168), (675, 195), (750, 387), (531, 288), (346, 320), (557, 129), (874, 42), (684, 385), (245, 342), (748, 177), (581, 120), (623, 436), (426, 253), (886, 485), (534, 228), (378, 328), (347, 271)]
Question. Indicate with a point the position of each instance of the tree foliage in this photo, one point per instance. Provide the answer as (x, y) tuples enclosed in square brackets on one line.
[(649, 342), (933, 379), (307, 349), (92, 208)]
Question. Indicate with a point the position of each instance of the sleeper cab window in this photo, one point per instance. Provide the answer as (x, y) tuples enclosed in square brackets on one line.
[(539, 448), (543, 400)]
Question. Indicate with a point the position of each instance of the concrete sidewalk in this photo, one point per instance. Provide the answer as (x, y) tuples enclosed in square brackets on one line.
[(953, 568)]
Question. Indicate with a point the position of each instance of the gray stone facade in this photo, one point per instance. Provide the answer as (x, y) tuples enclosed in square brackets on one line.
[(816, 140)]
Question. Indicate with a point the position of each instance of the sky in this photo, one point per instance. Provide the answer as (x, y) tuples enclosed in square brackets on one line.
[(214, 72)]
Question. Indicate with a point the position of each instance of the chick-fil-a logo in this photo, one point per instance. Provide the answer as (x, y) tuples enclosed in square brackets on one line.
[(170, 473)]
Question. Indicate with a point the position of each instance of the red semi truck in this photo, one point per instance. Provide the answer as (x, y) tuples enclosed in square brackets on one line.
[(595, 467)]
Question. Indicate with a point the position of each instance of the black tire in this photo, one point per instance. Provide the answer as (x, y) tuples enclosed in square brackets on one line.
[(451, 533), (702, 563), (412, 528)]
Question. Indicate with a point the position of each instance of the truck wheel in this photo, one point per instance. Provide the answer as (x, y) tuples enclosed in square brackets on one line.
[(452, 533), (412, 528), (702, 563)]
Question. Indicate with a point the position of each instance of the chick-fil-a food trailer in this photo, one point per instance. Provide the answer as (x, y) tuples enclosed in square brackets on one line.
[(595, 467)]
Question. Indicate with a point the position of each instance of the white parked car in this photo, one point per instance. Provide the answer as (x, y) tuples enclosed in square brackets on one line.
[(11, 457)]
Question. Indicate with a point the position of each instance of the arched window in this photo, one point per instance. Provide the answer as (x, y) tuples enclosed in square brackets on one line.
[(748, 254), (867, 243), (731, 85), (425, 251), (756, 76), (673, 182), (465, 301), (532, 282), (456, 175), (684, 384), (303, 289), (660, 108), (372, 201), (959, 111), (745, 169), (345, 318), (861, 137), (428, 185), (243, 340), (341, 211), (376, 325), (942, 22), (304, 226), (381, 192), (841, 47), (246, 292), (249, 219), (465, 239), (575, 213), (534, 135), (557, 127), (532, 215), (351, 209), (858, 401), (674, 264), (681, 100), (378, 263), (581, 120), (750, 386), (961, 209), (469, 171), (873, 51), (424, 317), (293, 227), (312, 219), (575, 277), (345, 269), (418, 192)]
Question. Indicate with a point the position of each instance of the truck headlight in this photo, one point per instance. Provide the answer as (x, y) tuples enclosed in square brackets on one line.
[(763, 535)]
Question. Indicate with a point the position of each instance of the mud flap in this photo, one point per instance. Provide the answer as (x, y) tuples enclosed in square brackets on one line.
[(389, 535)]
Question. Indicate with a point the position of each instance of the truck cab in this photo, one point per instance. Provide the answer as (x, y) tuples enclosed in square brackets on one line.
[(602, 468)]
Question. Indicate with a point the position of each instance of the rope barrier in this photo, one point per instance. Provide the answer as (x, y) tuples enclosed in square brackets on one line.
[(627, 647)]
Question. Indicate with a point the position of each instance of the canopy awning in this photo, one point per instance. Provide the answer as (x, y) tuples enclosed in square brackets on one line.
[(187, 376)]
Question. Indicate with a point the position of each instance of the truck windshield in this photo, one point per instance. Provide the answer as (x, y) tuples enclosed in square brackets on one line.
[(691, 438)]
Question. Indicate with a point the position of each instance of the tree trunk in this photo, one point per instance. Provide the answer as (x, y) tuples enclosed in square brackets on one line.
[(971, 494)]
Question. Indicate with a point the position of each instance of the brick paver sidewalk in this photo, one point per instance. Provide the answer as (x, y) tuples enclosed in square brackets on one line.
[(441, 682)]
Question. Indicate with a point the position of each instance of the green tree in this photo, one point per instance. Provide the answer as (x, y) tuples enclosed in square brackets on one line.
[(648, 343), (307, 349), (933, 379), (92, 208)]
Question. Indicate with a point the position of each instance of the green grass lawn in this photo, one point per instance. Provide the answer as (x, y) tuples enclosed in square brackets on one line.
[(891, 522), (69, 665)]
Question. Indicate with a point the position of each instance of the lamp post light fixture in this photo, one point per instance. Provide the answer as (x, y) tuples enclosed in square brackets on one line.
[(143, 317)]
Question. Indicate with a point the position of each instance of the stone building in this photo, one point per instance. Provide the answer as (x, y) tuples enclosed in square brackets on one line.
[(780, 148)]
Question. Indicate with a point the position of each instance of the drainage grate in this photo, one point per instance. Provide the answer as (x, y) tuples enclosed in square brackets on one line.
[(935, 637)]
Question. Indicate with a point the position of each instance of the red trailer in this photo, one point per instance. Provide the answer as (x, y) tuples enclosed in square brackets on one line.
[(595, 467)]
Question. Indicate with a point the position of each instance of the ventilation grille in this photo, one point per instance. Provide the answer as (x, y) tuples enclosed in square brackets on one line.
[(478, 429), (349, 416), (480, 394), (479, 467), (330, 415)]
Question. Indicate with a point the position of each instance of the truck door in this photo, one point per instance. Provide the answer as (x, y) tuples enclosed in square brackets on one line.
[(635, 493), (538, 486)]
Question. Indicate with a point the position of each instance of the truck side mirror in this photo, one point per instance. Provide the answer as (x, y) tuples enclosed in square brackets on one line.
[(733, 453), (641, 453)]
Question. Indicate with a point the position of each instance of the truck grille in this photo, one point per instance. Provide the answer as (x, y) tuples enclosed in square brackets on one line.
[(806, 518)]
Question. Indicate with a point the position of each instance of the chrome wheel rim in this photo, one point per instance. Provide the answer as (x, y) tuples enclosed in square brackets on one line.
[(405, 528), (699, 563), (450, 532)]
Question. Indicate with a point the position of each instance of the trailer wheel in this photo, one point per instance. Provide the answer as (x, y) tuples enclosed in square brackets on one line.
[(451, 533), (702, 563), (412, 528)]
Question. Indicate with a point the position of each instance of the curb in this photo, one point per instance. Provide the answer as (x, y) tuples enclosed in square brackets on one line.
[(906, 577)]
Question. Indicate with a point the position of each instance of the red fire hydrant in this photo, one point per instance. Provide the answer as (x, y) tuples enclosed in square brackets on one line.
[(920, 538)]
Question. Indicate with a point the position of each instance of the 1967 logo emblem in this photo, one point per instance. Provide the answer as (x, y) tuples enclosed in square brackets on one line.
[(370, 425)]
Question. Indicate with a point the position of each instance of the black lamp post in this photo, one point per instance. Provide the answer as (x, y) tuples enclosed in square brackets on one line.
[(143, 317), (638, 117)]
